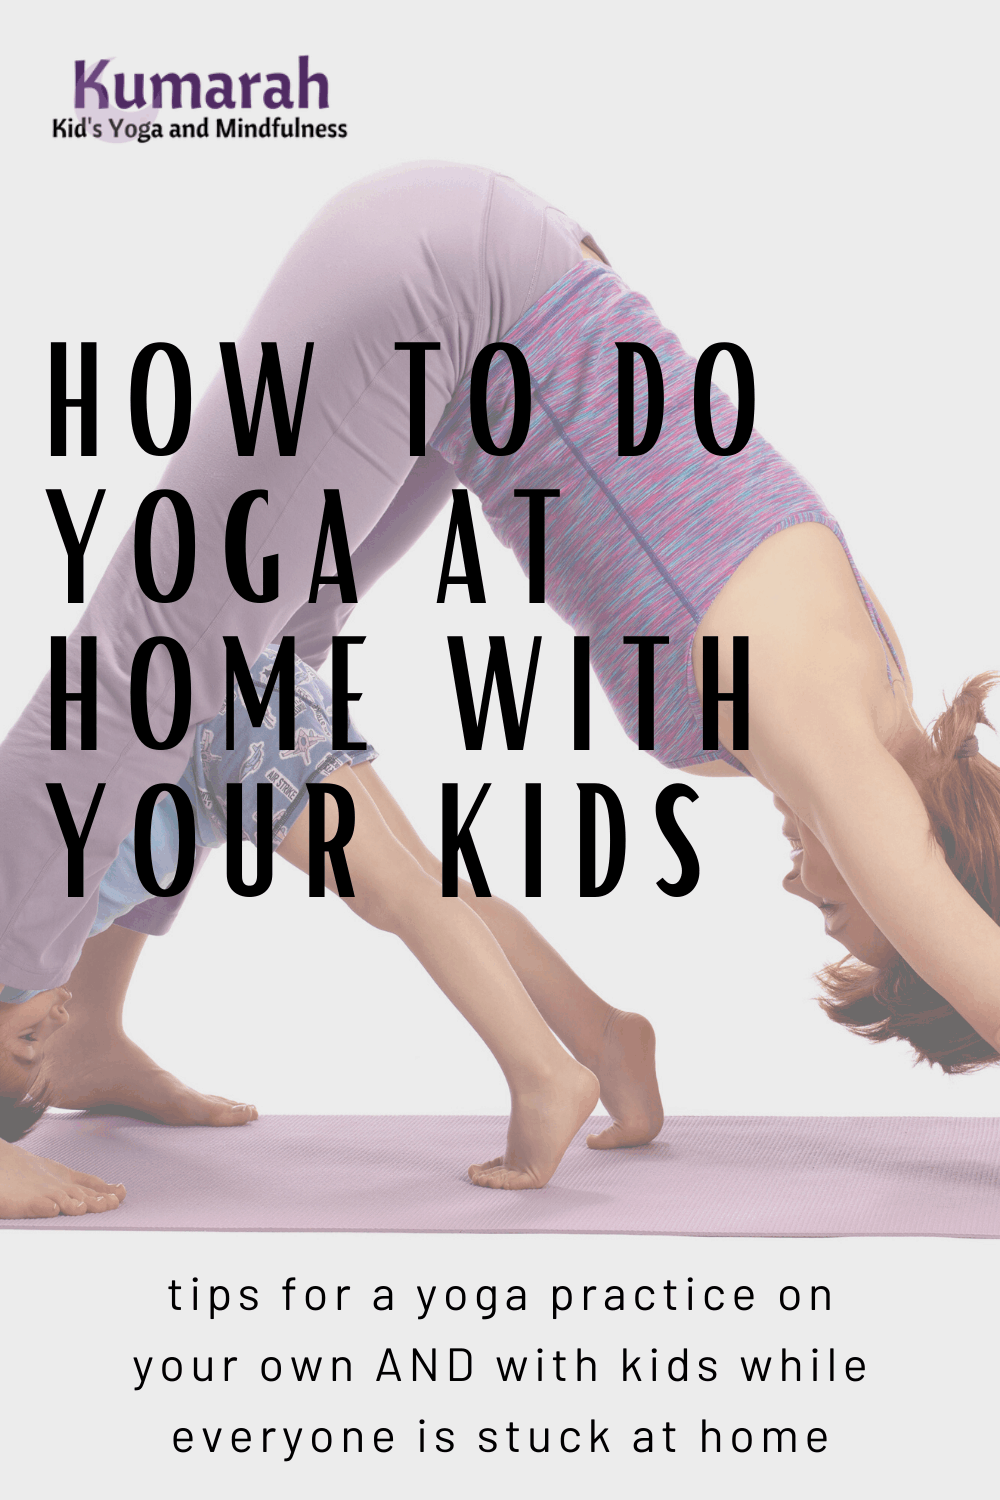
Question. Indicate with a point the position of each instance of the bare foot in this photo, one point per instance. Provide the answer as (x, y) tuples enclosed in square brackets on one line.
[(33, 1187), (118, 1075), (542, 1124), (625, 1066)]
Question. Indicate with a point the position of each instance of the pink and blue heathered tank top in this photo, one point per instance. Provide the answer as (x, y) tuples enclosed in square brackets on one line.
[(635, 545)]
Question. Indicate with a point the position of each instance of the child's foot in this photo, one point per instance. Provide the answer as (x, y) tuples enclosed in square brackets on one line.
[(542, 1124), (33, 1187), (624, 1063), (118, 1075)]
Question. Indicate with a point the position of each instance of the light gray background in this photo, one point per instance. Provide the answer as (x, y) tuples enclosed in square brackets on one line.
[(814, 183)]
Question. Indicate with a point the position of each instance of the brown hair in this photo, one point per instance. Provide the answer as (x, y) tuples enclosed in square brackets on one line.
[(18, 1116), (962, 798)]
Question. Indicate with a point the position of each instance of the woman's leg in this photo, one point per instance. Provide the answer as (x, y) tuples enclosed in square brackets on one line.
[(551, 1094), (390, 260), (618, 1046), (92, 1064)]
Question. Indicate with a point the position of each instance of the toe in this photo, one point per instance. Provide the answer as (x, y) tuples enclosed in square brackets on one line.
[(507, 1179), (238, 1114), (607, 1140), (70, 1203), (619, 1134), (100, 1203), (75, 1180), (93, 1190), (42, 1207), (97, 1184), (479, 1168), (224, 1111)]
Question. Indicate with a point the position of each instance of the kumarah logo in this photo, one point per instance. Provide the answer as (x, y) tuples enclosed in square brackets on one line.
[(94, 90)]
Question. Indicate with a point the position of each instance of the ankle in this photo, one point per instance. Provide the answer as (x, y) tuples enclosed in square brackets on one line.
[(590, 1047), (544, 1076)]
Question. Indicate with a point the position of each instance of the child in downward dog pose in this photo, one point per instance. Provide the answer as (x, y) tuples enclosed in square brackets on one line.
[(500, 974)]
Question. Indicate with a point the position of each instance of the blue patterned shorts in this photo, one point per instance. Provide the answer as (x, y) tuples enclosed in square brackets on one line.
[(256, 757)]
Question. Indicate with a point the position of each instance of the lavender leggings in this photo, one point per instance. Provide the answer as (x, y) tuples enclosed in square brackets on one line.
[(431, 252)]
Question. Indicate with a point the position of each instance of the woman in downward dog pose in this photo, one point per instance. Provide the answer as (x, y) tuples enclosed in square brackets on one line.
[(895, 832)]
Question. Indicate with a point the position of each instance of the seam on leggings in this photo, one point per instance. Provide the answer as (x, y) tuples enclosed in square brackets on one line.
[(479, 328), (615, 504), (548, 223), (333, 434), (530, 296), (430, 327)]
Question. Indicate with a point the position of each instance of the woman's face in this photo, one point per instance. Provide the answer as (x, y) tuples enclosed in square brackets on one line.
[(815, 878)]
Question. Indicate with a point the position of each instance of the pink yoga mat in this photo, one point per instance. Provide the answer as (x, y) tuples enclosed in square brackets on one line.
[(704, 1176)]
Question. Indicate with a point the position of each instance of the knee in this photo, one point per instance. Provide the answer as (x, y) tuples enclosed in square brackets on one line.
[(375, 907), (430, 865), (481, 905), (386, 899)]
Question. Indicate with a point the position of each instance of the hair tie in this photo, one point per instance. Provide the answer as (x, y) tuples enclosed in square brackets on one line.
[(967, 749)]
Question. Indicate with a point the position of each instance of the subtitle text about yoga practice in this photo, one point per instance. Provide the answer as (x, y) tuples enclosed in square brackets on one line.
[(486, 1384)]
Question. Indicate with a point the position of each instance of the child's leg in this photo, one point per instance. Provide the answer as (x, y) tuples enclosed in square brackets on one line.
[(551, 1095), (616, 1045), (92, 1064)]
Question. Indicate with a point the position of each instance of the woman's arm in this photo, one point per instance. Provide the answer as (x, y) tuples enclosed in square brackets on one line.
[(821, 712)]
